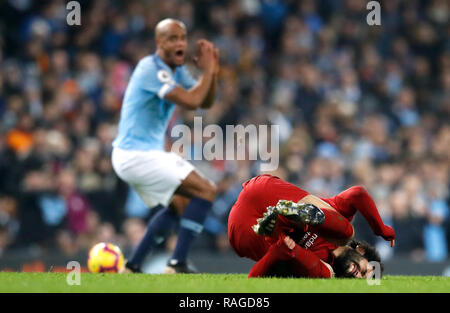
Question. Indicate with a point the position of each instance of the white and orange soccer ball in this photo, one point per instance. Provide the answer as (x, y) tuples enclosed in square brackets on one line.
[(105, 258)]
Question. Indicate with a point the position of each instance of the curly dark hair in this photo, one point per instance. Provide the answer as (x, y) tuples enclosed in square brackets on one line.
[(370, 252)]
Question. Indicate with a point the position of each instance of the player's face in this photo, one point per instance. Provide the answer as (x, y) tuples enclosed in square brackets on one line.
[(352, 264), (174, 44), (360, 269)]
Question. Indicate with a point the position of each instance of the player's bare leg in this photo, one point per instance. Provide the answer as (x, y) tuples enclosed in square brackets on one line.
[(159, 227), (195, 185), (179, 203), (195, 197)]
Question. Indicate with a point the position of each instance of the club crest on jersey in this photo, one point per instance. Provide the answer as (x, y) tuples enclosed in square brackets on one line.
[(165, 77)]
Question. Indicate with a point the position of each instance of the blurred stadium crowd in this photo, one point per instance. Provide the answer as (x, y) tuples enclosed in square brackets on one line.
[(356, 104)]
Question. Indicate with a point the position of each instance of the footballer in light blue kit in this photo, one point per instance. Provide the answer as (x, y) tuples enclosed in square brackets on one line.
[(145, 113), (163, 179)]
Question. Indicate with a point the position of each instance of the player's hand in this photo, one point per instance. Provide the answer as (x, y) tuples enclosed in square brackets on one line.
[(205, 56), (289, 242), (388, 234), (216, 58)]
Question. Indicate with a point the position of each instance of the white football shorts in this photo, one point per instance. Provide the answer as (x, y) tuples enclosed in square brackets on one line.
[(154, 174)]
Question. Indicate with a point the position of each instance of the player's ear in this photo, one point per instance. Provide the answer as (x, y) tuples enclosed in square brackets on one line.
[(360, 249)]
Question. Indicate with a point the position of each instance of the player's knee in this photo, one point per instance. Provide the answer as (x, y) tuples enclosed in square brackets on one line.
[(209, 190), (212, 191), (359, 190)]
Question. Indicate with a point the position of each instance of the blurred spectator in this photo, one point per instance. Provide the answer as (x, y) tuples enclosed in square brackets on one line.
[(134, 230), (355, 105), (435, 240), (135, 207), (9, 225), (407, 225), (77, 205)]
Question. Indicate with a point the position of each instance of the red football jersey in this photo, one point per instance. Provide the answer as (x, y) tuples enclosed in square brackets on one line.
[(258, 193)]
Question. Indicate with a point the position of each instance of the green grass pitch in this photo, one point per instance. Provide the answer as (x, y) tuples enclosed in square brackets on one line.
[(213, 283)]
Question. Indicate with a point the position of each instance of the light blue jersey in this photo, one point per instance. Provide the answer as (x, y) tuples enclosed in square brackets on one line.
[(145, 113)]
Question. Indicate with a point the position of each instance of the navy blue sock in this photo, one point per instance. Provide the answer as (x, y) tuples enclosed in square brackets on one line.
[(191, 225), (158, 227)]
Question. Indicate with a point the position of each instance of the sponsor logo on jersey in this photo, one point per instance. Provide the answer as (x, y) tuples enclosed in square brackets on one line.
[(308, 240)]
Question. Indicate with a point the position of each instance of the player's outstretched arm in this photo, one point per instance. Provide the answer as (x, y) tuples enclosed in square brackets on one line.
[(262, 267), (357, 198), (306, 263), (278, 251), (196, 97), (303, 262)]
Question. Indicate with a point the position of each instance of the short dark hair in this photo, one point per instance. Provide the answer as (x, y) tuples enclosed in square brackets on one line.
[(370, 252)]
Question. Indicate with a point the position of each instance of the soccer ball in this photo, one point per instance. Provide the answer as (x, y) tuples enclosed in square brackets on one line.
[(105, 258)]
